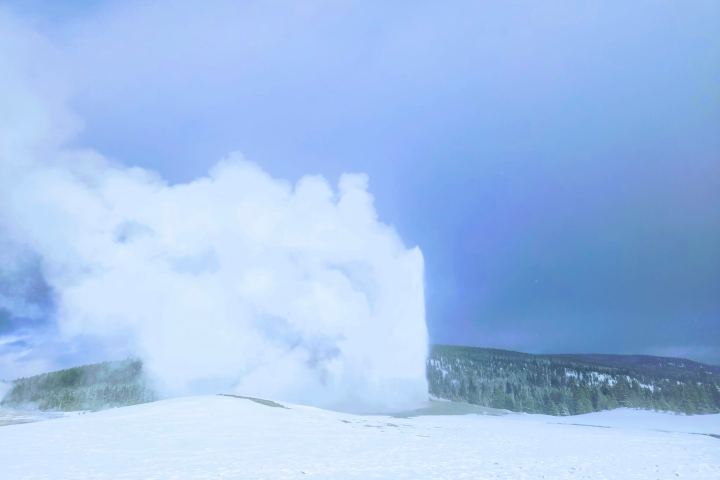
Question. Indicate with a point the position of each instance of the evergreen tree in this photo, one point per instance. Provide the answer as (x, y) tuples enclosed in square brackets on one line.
[(572, 385), (90, 387)]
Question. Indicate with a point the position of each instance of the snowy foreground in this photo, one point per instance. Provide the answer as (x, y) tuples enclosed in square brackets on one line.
[(225, 437)]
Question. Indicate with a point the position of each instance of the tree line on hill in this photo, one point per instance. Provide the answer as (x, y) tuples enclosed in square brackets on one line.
[(571, 384), (88, 387), (520, 382)]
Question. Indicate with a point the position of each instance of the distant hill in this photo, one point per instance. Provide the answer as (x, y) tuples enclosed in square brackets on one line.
[(566, 384), (573, 383), (89, 387), (674, 364)]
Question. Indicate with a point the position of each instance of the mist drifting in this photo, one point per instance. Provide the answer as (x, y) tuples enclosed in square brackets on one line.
[(235, 281)]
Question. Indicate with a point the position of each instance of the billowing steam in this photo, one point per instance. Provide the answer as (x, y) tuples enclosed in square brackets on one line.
[(235, 281)]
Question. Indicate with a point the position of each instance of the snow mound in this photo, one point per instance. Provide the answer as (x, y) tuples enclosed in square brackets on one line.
[(228, 437)]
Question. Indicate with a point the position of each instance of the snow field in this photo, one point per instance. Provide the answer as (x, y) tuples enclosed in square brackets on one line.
[(223, 437)]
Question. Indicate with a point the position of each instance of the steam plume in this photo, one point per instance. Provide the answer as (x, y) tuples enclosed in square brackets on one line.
[(233, 281)]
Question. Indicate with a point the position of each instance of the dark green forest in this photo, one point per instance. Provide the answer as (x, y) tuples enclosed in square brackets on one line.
[(571, 384), (520, 382), (89, 387)]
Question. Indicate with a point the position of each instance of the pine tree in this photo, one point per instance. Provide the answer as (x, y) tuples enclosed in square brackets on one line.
[(498, 400)]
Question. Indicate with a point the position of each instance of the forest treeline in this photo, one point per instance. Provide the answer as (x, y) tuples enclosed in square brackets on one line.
[(88, 387), (520, 382), (571, 384)]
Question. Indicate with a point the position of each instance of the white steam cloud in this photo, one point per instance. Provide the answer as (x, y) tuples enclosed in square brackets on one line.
[(233, 281)]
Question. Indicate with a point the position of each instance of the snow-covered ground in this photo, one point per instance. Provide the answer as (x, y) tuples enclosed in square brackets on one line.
[(630, 419), (13, 417), (224, 437)]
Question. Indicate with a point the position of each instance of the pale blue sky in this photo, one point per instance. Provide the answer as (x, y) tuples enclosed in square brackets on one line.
[(558, 163)]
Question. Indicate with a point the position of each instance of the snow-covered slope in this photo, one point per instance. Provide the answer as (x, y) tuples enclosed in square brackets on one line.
[(642, 420), (224, 437)]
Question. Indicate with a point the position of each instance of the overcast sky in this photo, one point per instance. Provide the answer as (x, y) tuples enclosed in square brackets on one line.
[(558, 163)]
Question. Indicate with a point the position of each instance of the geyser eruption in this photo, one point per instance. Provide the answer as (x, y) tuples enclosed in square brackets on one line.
[(234, 281)]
